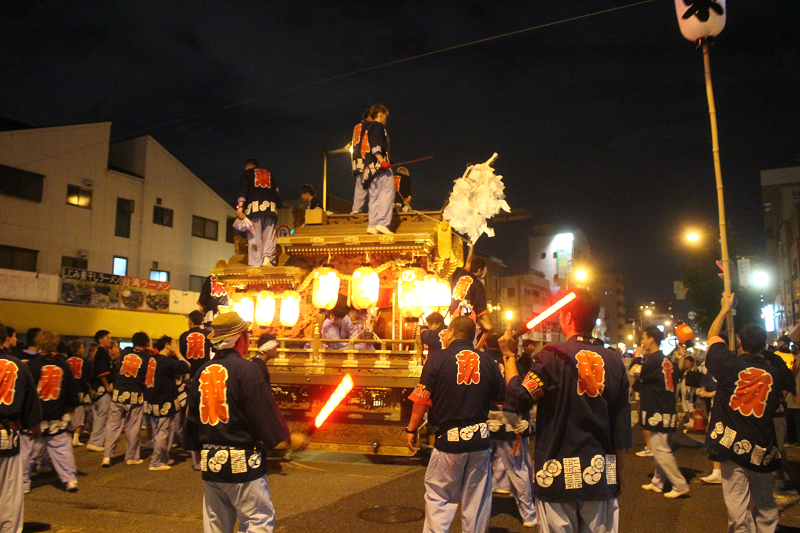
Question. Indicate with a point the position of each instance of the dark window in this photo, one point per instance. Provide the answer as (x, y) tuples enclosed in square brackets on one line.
[(555, 255), (120, 266), (162, 216), (511, 292), (230, 232), (204, 227), (21, 184), (196, 283), (74, 262), (543, 256), (79, 196), (18, 258), (159, 275), (122, 227)]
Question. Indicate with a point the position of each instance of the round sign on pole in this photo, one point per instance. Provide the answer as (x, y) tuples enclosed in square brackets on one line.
[(283, 230), (692, 315)]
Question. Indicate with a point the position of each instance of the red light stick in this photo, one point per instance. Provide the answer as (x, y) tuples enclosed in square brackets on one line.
[(545, 314), (338, 395)]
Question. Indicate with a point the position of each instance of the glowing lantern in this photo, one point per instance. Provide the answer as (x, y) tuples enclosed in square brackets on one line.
[(365, 287), (700, 18), (684, 333), (290, 308), (265, 308), (411, 291), (325, 289), (436, 294), (245, 308)]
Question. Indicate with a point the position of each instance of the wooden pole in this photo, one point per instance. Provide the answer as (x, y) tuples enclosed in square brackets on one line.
[(723, 234)]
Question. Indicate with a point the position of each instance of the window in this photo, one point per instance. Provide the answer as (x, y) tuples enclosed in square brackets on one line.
[(159, 275), (122, 227), (204, 227), (14, 258), (74, 262), (196, 283), (767, 207), (543, 256), (21, 184), (511, 292), (162, 216), (79, 196), (230, 232), (120, 266), (529, 291)]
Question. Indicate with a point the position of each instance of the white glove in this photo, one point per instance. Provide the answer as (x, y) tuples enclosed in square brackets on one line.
[(242, 225)]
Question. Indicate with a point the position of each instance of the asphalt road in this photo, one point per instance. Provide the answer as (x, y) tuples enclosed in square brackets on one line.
[(316, 491)]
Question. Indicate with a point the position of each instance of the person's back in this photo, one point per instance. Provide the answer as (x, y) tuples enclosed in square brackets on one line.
[(583, 414)]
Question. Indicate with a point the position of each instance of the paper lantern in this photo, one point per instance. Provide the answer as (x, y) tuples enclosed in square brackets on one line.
[(411, 291), (700, 18), (436, 294), (365, 287), (684, 333), (265, 308), (325, 288), (290, 308), (245, 308)]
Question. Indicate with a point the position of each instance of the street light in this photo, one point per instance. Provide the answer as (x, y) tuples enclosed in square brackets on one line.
[(760, 279), (580, 275), (346, 149), (509, 315), (648, 312), (692, 237)]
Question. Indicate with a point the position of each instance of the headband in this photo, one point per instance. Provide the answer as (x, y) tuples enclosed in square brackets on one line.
[(268, 346)]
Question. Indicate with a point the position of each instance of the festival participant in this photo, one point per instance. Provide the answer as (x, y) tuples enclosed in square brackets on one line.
[(30, 351), (458, 384), (232, 421), (258, 203), (431, 337), (9, 346), (164, 370), (359, 149), (309, 195), (469, 292), (511, 455), (332, 328), (583, 422), (81, 375), (402, 184), (194, 344), (58, 396), (212, 295), (102, 387), (658, 414), (21, 412), (379, 180), (127, 402), (267, 349), (741, 429)]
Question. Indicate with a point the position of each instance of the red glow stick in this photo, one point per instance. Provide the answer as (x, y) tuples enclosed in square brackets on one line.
[(338, 395), (545, 314)]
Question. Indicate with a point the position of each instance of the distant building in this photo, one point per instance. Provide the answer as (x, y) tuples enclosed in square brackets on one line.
[(71, 198), (780, 194), (556, 254), (610, 288), (526, 296)]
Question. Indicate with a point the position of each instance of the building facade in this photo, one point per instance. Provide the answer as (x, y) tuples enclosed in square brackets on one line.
[(780, 193), (71, 198), (556, 254), (610, 288)]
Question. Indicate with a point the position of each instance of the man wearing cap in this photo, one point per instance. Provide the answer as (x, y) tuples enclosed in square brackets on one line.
[(231, 422)]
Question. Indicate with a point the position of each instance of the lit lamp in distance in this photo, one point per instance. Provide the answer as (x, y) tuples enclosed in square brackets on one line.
[(760, 279)]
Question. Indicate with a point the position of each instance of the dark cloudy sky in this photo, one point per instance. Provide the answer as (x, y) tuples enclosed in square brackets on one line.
[(601, 123)]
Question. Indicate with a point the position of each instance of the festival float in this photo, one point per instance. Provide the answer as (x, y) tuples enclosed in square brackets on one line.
[(394, 280)]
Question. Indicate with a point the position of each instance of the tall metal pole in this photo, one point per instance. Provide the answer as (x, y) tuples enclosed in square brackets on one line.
[(324, 181), (723, 234)]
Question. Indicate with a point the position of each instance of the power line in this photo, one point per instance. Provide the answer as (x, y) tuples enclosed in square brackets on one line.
[(348, 74)]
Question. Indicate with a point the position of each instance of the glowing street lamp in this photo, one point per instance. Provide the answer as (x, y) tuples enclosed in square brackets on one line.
[(509, 315), (692, 237), (760, 279), (581, 275)]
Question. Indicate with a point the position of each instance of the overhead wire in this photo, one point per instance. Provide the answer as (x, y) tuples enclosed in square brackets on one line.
[(348, 74)]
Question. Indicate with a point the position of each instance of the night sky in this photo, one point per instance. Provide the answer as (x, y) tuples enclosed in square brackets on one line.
[(601, 123)]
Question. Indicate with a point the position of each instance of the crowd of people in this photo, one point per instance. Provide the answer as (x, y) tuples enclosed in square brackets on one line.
[(479, 400)]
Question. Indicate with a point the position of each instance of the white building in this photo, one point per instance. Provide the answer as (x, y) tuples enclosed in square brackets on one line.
[(557, 253), (68, 197)]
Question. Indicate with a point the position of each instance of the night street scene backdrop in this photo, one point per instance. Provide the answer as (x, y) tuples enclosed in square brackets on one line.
[(598, 111)]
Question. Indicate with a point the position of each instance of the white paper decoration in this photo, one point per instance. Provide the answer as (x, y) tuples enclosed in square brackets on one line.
[(700, 18), (477, 196)]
